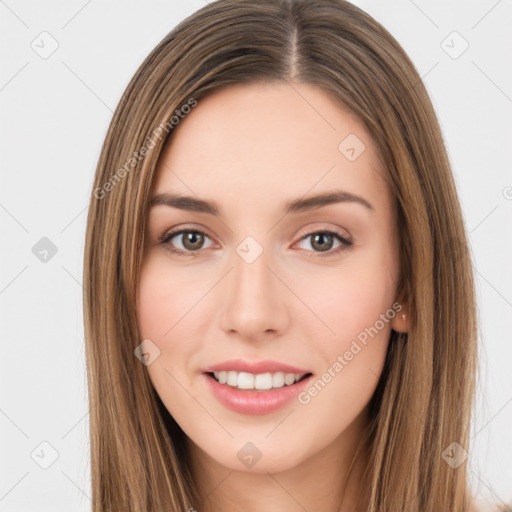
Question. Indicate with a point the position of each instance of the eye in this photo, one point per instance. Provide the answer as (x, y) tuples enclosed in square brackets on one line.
[(191, 240), (322, 241)]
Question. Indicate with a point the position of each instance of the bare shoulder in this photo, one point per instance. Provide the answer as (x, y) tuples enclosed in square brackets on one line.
[(484, 506)]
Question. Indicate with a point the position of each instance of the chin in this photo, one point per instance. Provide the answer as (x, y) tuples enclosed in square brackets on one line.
[(258, 457)]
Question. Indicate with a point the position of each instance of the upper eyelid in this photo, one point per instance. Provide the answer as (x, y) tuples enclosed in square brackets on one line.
[(167, 235)]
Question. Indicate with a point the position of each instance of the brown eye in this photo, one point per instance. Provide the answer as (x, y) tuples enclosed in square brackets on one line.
[(323, 242), (190, 240)]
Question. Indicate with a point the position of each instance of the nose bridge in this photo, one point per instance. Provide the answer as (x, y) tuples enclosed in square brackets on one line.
[(253, 303), (251, 271), (251, 276)]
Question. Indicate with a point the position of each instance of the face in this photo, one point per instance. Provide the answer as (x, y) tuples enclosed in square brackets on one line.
[(302, 289)]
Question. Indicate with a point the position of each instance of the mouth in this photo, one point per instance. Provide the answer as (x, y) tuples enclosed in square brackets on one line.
[(245, 381), (255, 394)]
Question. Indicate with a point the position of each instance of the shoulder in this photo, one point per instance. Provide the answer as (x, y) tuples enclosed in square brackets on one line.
[(485, 506)]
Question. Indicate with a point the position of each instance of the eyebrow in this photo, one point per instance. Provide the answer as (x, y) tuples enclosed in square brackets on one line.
[(297, 205)]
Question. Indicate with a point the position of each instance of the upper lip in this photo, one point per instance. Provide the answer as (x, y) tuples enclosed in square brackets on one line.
[(255, 367)]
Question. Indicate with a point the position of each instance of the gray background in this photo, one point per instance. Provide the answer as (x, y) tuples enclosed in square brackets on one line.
[(55, 110)]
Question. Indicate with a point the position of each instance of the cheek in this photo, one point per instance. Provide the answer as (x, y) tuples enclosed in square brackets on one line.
[(352, 359), (359, 306), (164, 315), (164, 305), (151, 302), (356, 309), (363, 325), (345, 303), (174, 310), (164, 298)]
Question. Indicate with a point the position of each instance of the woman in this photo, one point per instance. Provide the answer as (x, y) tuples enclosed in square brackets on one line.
[(279, 304)]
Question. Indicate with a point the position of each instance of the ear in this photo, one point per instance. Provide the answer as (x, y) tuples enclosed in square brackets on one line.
[(402, 320)]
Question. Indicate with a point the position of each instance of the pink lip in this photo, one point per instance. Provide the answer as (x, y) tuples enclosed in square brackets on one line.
[(252, 401), (256, 367)]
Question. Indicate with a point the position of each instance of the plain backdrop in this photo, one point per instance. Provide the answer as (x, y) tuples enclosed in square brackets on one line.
[(64, 66)]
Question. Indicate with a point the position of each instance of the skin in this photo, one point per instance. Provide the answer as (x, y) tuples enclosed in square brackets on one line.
[(251, 148)]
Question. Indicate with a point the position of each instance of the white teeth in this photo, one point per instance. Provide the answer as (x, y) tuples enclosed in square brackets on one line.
[(232, 379), (278, 380), (245, 380), (289, 378), (261, 381)]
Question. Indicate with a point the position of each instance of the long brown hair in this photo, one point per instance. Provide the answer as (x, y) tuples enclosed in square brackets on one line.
[(424, 397)]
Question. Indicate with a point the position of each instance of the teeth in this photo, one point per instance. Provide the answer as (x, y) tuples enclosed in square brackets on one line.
[(245, 380), (232, 379), (289, 378), (261, 381), (278, 380)]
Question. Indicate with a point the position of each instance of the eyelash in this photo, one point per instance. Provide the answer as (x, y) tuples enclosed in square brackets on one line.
[(167, 237)]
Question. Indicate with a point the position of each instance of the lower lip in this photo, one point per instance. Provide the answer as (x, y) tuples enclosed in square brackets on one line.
[(252, 401)]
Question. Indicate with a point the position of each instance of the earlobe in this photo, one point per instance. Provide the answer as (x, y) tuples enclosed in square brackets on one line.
[(401, 321)]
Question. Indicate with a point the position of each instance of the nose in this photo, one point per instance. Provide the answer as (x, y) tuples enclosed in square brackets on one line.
[(256, 303)]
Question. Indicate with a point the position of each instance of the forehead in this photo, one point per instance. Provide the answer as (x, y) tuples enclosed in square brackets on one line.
[(268, 143)]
